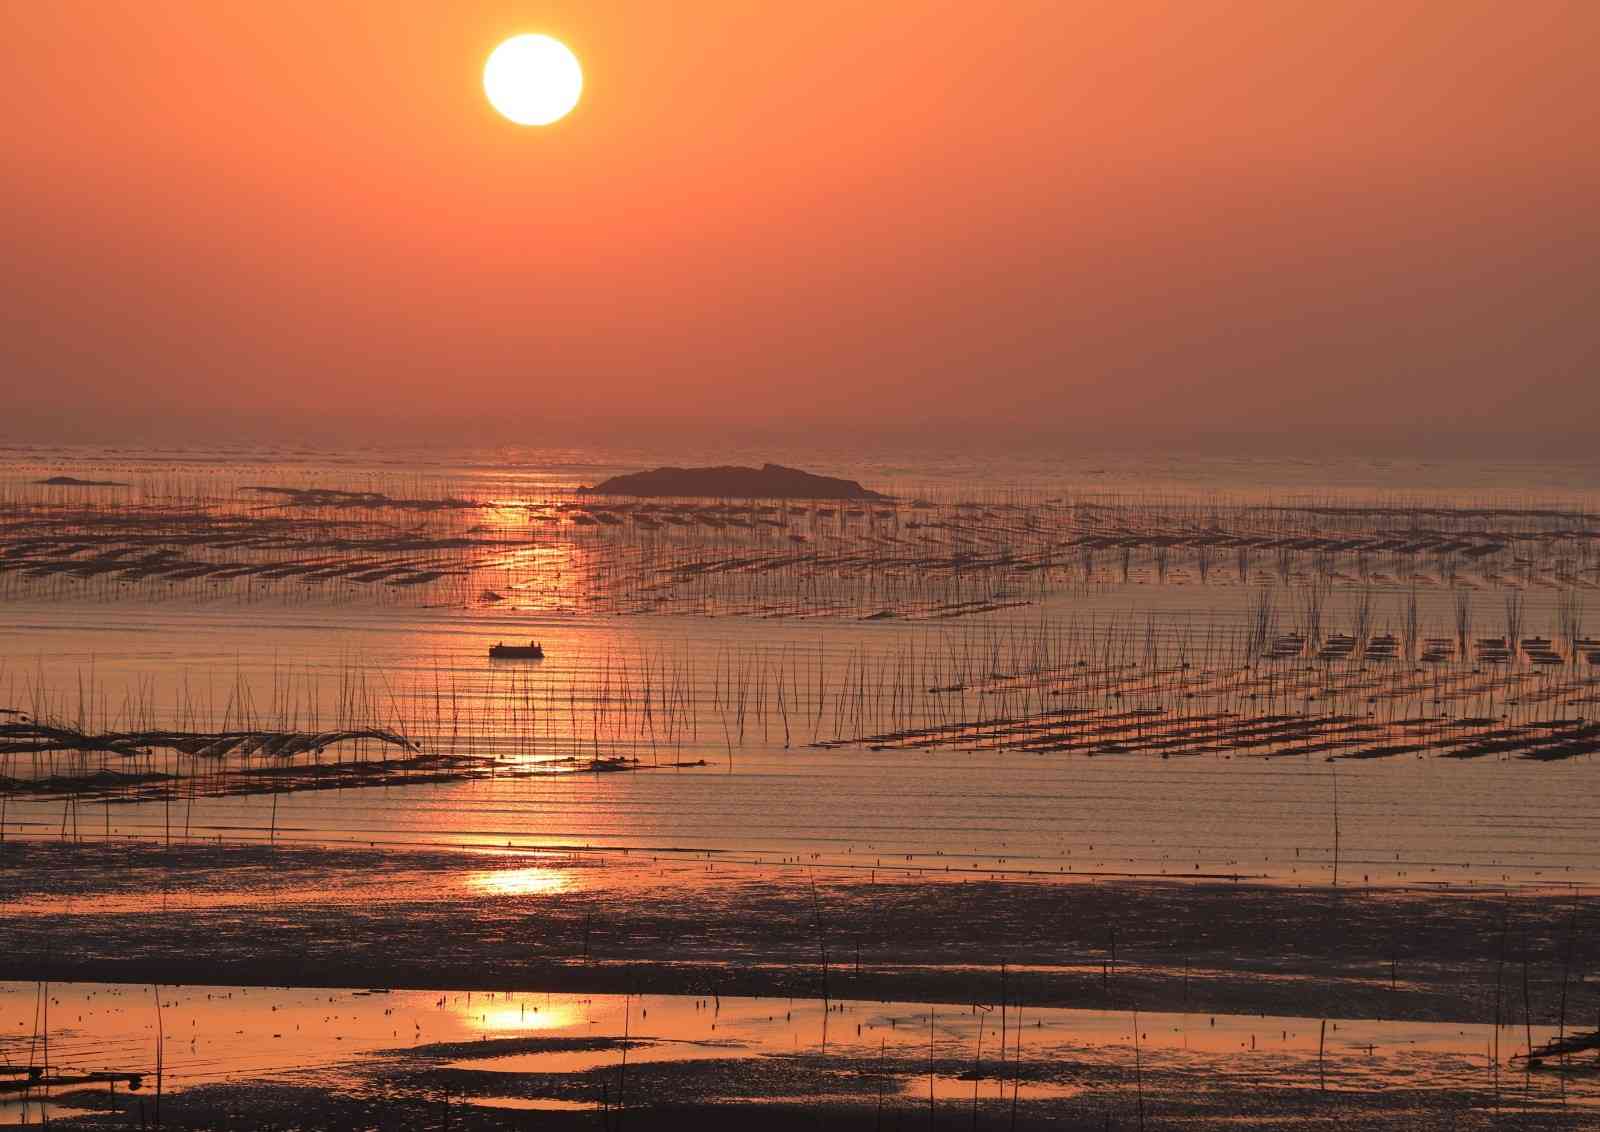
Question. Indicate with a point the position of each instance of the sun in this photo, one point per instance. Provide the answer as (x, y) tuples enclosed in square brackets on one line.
[(533, 80)]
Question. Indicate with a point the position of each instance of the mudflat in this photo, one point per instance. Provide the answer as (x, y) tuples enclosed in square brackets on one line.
[(319, 916)]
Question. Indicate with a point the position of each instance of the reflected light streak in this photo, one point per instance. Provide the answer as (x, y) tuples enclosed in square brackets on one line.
[(519, 1017), (532, 881)]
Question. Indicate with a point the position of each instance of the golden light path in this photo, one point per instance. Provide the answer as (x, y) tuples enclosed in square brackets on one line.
[(533, 80), (531, 881), (487, 1015)]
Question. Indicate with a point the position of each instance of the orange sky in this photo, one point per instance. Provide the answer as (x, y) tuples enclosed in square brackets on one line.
[(1371, 223)]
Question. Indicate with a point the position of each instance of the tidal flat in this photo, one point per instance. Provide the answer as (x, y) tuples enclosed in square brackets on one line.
[(332, 1057), (1218, 801)]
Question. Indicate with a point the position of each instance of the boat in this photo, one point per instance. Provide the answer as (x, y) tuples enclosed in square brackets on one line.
[(530, 651)]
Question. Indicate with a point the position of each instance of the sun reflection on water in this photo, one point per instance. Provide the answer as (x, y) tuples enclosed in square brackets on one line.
[(535, 880), (492, 1017)]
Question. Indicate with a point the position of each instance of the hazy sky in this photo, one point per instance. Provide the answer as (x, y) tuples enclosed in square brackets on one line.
[(1360, 224)]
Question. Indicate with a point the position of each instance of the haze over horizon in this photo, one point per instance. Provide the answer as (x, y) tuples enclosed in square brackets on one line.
[(1370, 227)]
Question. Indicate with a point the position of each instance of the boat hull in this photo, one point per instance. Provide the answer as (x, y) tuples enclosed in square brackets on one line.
[(515, 652)]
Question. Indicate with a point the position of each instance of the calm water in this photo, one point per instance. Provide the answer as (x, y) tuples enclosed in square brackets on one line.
[(241, 1033), (513, 471), (1402, 819)]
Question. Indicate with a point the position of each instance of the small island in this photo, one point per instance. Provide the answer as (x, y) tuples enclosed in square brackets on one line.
[(770, 481), (74, 481)]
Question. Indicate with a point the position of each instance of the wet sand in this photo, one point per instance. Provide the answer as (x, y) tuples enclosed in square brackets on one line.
[(296, 1058), (292, 1107), (308, 916), (839, 1097)]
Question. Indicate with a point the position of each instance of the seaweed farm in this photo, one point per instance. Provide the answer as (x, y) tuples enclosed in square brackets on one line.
[(1288, 792), (1126, 724), (939, 555)]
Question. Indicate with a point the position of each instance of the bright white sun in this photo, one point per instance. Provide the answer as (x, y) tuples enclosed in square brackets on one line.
[(532, 79)]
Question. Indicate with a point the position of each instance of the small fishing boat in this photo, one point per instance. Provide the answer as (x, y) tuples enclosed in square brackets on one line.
[(530, 651)]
